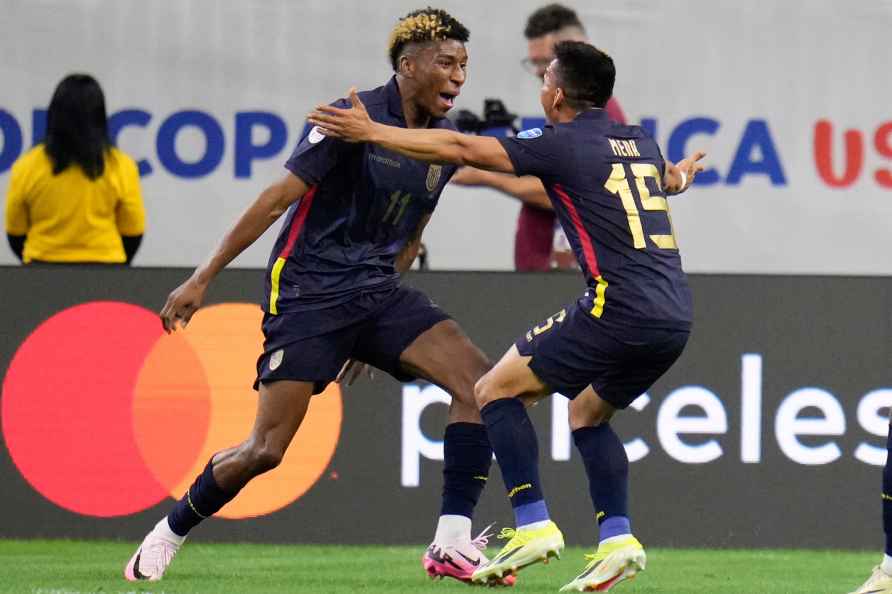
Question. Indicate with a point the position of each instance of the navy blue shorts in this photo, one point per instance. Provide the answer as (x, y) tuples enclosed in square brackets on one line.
[(572, 350), (375, 328)]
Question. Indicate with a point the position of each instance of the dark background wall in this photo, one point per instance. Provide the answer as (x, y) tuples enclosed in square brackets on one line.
[(828, 334)]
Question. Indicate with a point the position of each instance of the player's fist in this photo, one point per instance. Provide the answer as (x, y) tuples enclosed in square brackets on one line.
[(181, 305)]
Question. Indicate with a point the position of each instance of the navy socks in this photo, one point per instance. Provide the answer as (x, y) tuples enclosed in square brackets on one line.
[(203, 499), (513, 438), (607, 468), (467, 457)]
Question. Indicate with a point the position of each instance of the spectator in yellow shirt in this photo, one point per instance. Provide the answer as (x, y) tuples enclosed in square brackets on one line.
[(75, 198)]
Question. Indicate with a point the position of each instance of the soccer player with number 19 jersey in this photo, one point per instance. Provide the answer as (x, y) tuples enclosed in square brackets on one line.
[(608, 184)]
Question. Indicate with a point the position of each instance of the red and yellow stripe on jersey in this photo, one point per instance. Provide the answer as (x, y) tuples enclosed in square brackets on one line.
[(297, 224), (588, 251)]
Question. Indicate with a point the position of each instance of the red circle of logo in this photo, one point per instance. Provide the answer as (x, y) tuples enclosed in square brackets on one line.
[(105, 415)]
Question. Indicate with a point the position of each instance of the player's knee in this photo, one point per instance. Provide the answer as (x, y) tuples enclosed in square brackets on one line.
[(268, 459), (463, 379), (485, 391), (464, 397), (461, 385), (588, 416), (264, 458), (578, 422), (483, 366)]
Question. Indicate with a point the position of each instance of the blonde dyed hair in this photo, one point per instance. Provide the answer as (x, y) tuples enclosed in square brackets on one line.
[(421, 26)]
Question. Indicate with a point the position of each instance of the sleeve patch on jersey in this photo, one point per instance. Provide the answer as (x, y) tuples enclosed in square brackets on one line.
[(315, 135), (531, 133)]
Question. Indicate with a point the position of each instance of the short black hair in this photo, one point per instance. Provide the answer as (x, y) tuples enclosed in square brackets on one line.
[(585, 73), (549, 19), (419, 26), (77, 126)]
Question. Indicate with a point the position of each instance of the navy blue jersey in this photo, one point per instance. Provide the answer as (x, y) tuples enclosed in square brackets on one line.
[(605, 182), (364, 204)]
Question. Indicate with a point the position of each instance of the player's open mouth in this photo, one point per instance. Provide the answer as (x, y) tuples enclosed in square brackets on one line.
[(448, 99)]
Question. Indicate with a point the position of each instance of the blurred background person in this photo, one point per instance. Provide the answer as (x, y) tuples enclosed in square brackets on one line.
[(75, 198), (539, 242)]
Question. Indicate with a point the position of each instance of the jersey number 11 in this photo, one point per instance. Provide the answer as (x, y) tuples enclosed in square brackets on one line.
[(396, 207)]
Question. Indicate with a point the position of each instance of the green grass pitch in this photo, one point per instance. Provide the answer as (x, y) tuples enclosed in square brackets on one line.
[(77, 567)]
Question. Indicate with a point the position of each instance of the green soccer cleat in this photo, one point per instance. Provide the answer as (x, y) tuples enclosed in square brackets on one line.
[(525, 548), (879, 582), (612, 563)]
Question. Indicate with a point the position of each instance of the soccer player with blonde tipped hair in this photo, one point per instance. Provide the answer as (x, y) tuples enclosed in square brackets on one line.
[(334, 301)]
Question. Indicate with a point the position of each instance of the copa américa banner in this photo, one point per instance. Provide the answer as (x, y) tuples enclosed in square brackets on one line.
[(210, 100), (778, 406)]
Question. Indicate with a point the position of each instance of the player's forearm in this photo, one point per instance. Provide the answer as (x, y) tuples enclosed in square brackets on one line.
[(433, 146), (527, 189), (268, 207)]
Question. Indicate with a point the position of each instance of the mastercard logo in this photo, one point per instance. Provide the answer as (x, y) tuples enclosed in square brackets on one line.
[(106, 415)]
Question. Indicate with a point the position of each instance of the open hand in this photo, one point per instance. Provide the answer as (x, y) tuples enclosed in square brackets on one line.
[(674, 182), (181, 305), (691, 167), (352, 125)]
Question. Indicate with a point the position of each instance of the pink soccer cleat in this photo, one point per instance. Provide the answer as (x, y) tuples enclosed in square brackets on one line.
[(459, 561)]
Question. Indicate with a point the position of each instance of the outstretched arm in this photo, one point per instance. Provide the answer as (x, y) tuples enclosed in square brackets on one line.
[(186, 299), (527, 189), (433, 146)]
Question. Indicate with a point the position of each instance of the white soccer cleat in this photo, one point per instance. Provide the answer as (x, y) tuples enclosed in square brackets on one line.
[(613, 563), (153, 556), (879, 582)]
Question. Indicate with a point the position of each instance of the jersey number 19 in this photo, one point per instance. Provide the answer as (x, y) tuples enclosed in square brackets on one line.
[(618, 183)]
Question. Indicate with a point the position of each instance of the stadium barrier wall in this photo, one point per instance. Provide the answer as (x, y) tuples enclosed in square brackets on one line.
[(769, 431), (211, 99)]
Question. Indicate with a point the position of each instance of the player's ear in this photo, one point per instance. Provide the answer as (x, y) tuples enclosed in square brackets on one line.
[(406, 66), (559, 99)]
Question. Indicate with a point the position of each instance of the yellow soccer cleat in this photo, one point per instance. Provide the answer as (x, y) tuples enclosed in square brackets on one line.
[(879, 582), (526, 547), (612, 563)]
